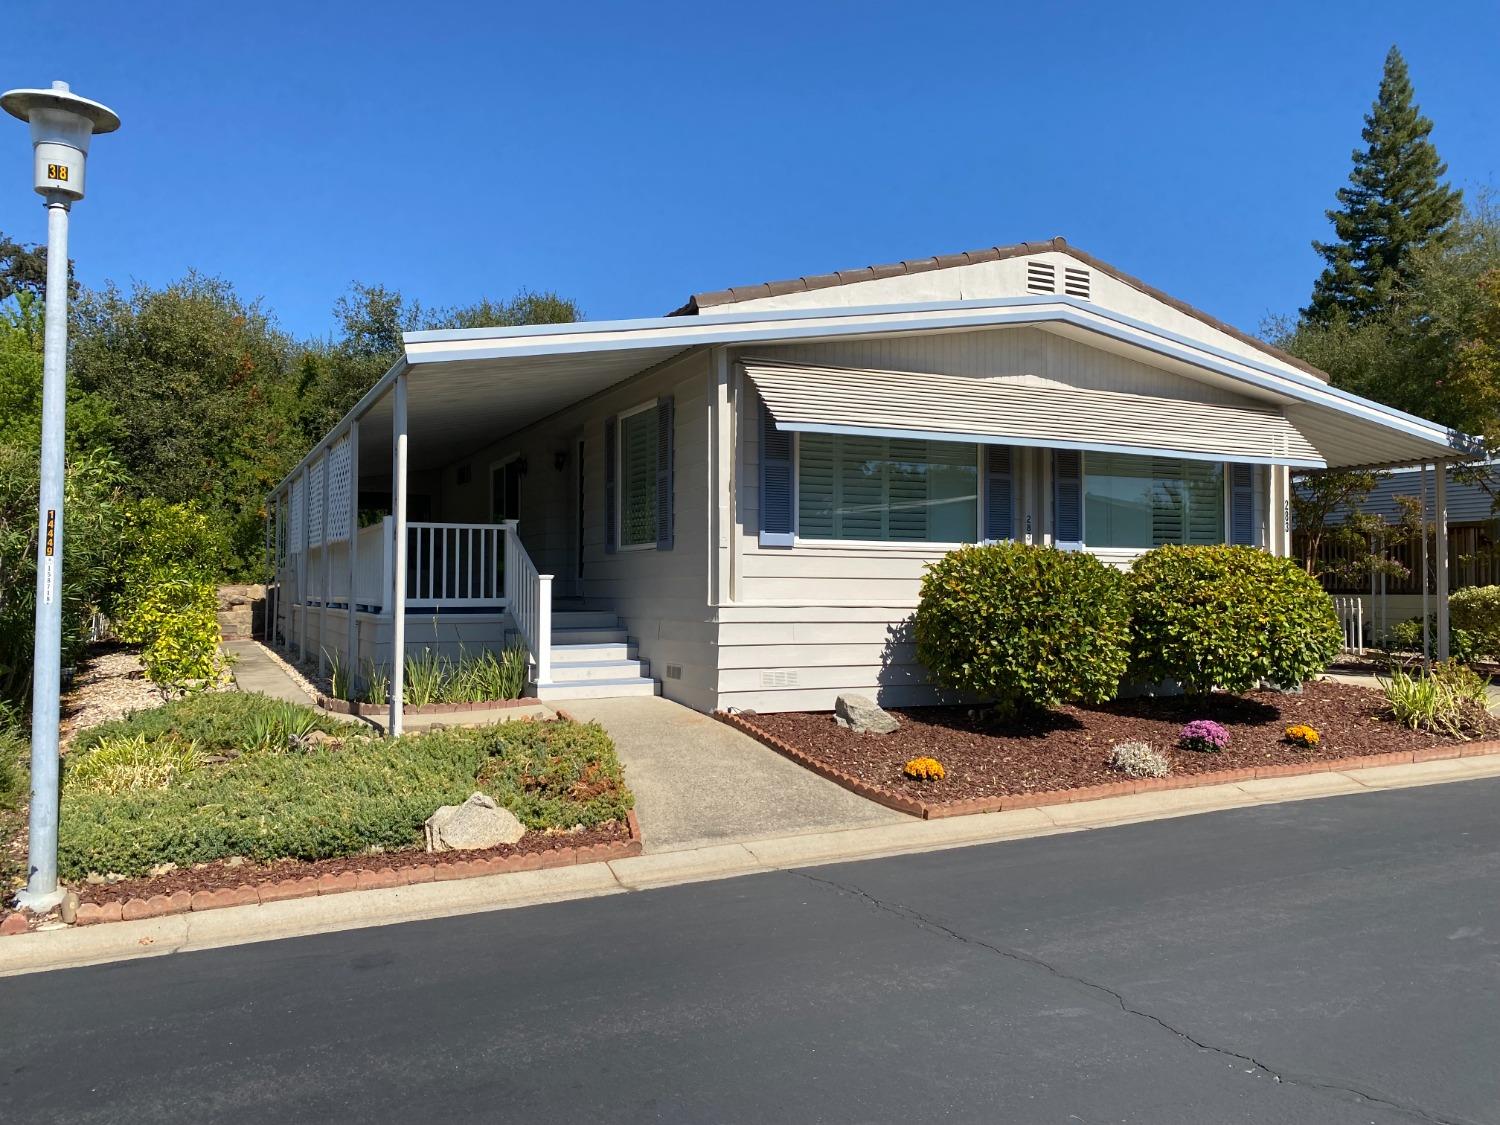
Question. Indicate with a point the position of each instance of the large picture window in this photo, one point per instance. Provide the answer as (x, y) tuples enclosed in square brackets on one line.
[(1149, 501), (638, 460), (887, 489)]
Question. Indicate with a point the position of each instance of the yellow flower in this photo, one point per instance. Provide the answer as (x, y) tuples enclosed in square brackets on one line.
[(1300, 734), (924, 769)]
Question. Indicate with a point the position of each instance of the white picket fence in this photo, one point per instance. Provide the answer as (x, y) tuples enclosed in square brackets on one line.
[(1351, 613)]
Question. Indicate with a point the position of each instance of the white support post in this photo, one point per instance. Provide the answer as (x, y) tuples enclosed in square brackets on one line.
[(1422, 523), (508, 575), (351, 631), (544, 629), (1440, 521), (398, 557), (387, 565), (325, 558)]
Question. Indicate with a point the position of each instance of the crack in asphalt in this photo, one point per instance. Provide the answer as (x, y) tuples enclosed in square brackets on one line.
[(923, 921)]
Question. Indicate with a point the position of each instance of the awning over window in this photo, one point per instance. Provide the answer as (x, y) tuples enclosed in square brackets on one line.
[(815, 399)]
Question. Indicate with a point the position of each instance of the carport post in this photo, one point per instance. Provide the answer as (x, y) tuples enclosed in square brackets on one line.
[(1426, 638), (351, 626), (325, 556), (302, 563), (398, 568), (1440, 522)]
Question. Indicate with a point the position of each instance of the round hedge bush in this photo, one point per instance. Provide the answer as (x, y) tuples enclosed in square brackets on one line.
[(1026, 627), (1228, 617)]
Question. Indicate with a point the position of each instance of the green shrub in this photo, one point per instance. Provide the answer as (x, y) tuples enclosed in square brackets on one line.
[(1451, 700), (118, 765), (328, 800), (1027, 627), (14, 749), (220, 723), (1475, 611), (1407, 635), (477, 679), (1228, 617)]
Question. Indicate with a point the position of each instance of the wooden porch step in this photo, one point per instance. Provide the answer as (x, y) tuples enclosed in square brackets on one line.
[(592, 653), (614, 635), (595, 689), (584, 619), (583, 671)]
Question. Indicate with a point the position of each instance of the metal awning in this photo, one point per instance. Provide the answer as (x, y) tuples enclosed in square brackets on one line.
[(817, 399)]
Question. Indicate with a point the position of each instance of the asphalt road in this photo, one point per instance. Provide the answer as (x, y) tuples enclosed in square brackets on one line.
[(1323, 961)]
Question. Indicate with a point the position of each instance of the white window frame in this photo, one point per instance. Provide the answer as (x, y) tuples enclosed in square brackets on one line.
[(620, 544), (888, 544)]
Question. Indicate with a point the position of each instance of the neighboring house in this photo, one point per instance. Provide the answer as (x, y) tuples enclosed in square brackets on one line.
[(735, 503)]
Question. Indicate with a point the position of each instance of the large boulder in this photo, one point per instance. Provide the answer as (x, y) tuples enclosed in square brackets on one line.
[(477, 823), (863, 715)]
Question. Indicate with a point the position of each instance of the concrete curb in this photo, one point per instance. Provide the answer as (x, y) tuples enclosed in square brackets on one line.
[(70, 946), (1124, 787)]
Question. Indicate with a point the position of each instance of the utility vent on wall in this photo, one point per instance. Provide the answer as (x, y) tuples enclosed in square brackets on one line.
[(1076, 282), (779, 677), (674, 671), (1041, 277)]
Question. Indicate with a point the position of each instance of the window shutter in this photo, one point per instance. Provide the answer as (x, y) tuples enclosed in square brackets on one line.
[(1242, 505), (1067, 498), (665, 433), (611, 494), (775, 483), (998, 503)]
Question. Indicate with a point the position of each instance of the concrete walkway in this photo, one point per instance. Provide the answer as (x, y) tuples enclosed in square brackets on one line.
[(698, 782), (254, 670)]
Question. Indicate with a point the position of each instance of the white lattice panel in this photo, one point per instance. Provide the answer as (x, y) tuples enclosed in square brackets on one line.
[(298, 514), (340, 490), (315, 502)]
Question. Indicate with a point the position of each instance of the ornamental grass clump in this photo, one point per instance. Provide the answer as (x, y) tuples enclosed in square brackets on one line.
[(1025, 627), (924, 769), (1139, 759), (1203, 735), (1450, 700), (1303, 736)]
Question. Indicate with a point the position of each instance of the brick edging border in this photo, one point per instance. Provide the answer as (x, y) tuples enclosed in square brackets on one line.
[(1122, 788), (306, 886), (378, 710)]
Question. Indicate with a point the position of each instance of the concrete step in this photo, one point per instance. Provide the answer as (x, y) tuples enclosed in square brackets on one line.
[(583, 671), (584, 619), (595, 689), (592, 653), (588, 636)]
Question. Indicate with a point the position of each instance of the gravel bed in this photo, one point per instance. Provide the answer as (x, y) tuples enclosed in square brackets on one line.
[(1069, 747), (110, 685)]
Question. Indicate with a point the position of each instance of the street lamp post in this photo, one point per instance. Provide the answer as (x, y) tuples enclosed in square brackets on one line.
[(61, 125)]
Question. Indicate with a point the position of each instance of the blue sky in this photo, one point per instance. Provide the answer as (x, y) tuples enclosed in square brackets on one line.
[(629, 155)]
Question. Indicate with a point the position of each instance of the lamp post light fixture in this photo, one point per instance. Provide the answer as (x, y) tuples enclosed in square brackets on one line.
[(61, 125)]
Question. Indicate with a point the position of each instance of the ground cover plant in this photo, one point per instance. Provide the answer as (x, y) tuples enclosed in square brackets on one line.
[(430, 678), (1449, 700), (195, 781)]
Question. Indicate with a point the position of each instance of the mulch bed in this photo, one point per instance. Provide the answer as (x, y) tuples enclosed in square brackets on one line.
[(221, 875), (1068, 748)]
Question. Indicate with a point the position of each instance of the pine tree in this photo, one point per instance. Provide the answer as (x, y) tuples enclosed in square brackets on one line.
[(1394, 204)]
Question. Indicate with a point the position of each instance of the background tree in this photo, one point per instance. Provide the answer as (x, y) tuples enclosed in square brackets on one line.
[(23, 269), (1393, 205)]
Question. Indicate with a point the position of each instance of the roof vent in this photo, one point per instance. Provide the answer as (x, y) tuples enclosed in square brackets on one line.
[(1041, 277), (1076, 282)]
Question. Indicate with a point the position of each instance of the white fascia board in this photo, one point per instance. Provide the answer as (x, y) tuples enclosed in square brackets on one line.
[(366, 400), (824, 323)]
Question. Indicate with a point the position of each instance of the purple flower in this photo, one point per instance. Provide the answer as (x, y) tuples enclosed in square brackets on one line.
[(1205, 735)]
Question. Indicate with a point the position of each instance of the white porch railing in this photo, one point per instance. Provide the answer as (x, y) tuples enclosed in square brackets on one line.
[(529, 595), (1351, 613), (449, 565)]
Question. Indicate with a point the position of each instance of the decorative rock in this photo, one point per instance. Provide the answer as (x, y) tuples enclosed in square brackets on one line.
[(68, 908), (863, 715), (477, 823), (15, 924)]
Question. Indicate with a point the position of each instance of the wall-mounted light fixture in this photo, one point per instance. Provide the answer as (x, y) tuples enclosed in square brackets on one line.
[(560, 460)]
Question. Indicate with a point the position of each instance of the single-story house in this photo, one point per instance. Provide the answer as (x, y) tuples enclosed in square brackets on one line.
[(733, 504)]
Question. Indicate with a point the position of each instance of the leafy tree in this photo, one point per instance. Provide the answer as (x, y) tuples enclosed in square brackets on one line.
[(1394, 205), (23, 269)]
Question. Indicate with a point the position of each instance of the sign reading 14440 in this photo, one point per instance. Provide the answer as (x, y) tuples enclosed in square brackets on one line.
[(57, 172)]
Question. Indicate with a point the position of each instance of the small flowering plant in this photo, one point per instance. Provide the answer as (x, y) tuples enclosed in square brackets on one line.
[(1204, 735), (924, 769), (1303, 736)]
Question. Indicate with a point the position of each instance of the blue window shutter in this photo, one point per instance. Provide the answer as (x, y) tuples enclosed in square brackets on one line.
[(1242, 505), (1067, 498), (665, 432), (776, 479), (998, 495), (611, 496)]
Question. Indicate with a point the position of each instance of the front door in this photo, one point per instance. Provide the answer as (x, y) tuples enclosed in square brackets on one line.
[(505, 491)]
